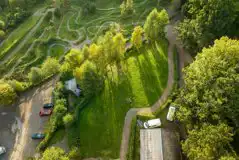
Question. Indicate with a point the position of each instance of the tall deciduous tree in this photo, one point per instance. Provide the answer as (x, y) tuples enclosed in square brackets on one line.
[(89, 79), (207, 20), (155, 24), (211, 90), (75, 58), (50, 67), (137, 38), (35, 75), (7, 93), (207, 143), (119, 47)]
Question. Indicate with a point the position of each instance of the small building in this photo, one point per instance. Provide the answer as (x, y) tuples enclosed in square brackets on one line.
[(151, 144), (72, 86)]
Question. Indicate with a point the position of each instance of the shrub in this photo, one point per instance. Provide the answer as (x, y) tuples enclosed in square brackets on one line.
[(35, 75), (68, 120), (2, 34), (50, 67), (74, 153), (7, 93), (2, 24), (18, 86)]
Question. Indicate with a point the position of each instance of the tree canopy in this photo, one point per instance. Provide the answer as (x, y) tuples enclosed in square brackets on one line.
[(207, 143), (54, 153), (207, 20), (155, 24), (211, 91), (137, 37), (7, 93)]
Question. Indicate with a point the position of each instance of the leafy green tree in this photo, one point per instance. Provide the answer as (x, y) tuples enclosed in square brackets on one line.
[(35, 75), (2, 24), (155, 24), (137, 38), (227, 158), (207, 143), (89, 79), (54, 153), (2, 35), (7, 93), (206, 21), (68, 120), (85, 51), (126, 7), (108, 49), (119, 47), (74, 58), (50, 67), (211, 90)]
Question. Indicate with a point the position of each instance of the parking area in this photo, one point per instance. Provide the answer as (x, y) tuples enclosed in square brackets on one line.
[(19, 122)]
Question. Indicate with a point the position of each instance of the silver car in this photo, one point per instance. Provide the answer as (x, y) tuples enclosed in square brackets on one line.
[(2, 150)]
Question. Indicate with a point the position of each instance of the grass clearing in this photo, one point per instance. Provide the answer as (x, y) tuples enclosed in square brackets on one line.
[(137, 82)]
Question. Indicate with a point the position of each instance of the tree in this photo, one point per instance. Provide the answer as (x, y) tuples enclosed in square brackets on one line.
[(35, 75), (207, 20), (137, 38), (155, 24), (2, 24), (227, 158), (2, 35), (7, 93), (211, 90), (89, 79), (208, 143), (54, 153), (50, 67), (68, 120), (74, 58), (126, 7), (108, 49), (118, 46)]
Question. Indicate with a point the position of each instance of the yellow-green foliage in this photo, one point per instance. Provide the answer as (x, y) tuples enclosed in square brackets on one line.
[(7, 93), (137, 38)]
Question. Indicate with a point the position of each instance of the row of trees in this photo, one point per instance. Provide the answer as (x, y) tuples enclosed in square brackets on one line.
[(89, 65), (209, 102), (206, 21)]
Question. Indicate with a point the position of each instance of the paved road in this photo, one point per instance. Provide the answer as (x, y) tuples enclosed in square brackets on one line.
[(19, 144), (8, 127)]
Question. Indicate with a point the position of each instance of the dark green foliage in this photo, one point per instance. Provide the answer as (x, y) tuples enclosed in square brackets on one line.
[(88, 6), (207, 20)]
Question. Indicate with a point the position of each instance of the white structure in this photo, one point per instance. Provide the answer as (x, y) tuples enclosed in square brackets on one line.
[(153, 123), (71, 85), (151, 144), (171, 113), (2, 150)]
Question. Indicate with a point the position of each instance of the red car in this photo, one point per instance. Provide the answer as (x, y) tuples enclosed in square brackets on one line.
[(45, 112)]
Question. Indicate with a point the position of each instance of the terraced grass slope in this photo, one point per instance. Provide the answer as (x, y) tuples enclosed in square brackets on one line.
[(137, 82)]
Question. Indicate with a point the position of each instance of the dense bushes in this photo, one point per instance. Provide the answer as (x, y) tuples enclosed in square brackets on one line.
[(50, 67), (7, 93)]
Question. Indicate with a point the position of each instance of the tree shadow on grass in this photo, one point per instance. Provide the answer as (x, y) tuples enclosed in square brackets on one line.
[(152, 75)]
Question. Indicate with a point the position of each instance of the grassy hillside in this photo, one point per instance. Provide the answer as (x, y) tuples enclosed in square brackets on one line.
[(137, 82)]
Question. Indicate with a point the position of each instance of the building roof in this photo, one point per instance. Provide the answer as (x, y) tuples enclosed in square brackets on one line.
[(71, 85), (151, 144)]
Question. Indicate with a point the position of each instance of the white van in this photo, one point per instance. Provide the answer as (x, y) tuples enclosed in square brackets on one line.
[(2, 150), (171, 113), (153, 123)]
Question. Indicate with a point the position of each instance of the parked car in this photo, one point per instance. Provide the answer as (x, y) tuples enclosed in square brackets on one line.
[(153, 123), (38, 136), (48, 105), (45, 112), (2, 150), (171, 113)]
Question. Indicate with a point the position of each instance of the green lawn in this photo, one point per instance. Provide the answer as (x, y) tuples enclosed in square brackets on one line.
[(141, 78)]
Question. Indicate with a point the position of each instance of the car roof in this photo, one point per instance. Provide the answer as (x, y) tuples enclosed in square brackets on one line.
[(154, 122)]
